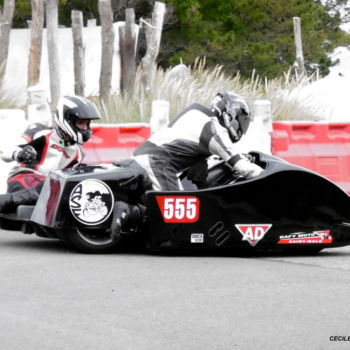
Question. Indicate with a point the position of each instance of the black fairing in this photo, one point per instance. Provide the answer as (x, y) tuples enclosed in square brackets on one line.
[(53, 210), (287, 199), (290, 198)]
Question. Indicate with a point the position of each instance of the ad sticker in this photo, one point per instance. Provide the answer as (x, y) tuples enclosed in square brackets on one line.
[(315, 237), (91, 202), (197, 238), (179, 209), (253, 233)]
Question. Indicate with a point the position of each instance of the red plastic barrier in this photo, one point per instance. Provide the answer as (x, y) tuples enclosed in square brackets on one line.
[(324, 148), (112, 142)]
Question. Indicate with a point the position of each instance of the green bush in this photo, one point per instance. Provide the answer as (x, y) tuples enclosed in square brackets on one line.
[(246, 35)]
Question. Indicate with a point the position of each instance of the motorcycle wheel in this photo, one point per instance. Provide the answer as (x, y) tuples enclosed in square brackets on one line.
[(90, 240)]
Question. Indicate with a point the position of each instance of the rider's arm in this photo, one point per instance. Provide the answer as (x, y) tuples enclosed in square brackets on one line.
[(220, 144), (8, 151)]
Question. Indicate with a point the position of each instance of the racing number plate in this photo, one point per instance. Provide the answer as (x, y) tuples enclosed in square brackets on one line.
[(179, 209)]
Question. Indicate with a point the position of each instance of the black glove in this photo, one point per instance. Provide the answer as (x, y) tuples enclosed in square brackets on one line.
[(26, 155)]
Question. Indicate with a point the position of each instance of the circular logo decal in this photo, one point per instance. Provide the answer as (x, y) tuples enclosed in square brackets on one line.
[(91, 202)]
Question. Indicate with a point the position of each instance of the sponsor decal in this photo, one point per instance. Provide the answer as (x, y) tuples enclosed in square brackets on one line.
[(179, 209), (60, 149), (197, 238), (315, 237), (91, 202), (219, 233), (253, 233)]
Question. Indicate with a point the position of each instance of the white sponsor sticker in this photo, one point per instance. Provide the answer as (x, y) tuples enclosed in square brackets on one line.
[(253, 233), (197, 238), (91, 202)]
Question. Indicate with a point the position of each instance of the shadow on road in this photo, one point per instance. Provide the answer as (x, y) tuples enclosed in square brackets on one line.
[(53, 245), (255, 254)]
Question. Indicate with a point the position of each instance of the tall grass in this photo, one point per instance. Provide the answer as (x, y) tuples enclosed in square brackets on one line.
[(181, 86)]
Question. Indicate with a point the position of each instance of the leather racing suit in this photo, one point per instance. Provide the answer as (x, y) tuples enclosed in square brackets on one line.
[(52, 154), (193, 134)]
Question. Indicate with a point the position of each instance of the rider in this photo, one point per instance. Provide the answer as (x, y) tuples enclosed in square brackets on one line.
[(47, 149), (193, 135)]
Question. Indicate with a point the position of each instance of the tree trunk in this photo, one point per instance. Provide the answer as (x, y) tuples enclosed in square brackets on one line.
[(36, 42), (127, 37), (298, 46), (79, 53), (148, 62), (107, 39), (6, 17), (53, 52)]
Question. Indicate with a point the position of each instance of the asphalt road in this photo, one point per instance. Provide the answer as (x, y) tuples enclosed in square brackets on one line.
[(53, 298)]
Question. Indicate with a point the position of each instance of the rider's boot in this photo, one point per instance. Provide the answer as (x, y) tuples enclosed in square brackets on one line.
[(123, 213), (10, 201)]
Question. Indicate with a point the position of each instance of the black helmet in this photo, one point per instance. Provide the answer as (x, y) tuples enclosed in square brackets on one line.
[(69, 110), (232, 112)]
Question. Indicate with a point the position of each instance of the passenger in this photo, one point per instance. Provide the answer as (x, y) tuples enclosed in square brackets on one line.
[(46, 149)]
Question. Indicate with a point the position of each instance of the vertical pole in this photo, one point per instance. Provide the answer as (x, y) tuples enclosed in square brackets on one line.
[(107, 39), (37, 24), (6, 17), (127, 39), (148, 62), (78, 53), (91, 22), (298, 46), (53, 52)]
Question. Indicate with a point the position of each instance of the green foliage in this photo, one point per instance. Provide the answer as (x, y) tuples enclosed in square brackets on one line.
[(23, 12), (88, 7), (241, 35), (247, 35)]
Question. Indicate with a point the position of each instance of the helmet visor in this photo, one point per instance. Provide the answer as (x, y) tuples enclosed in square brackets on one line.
[(244, 121)]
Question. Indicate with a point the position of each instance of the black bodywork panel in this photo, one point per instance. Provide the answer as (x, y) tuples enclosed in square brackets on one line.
[(285, 207)]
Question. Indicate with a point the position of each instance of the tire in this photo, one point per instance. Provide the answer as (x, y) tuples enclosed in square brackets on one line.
[(90, 241)]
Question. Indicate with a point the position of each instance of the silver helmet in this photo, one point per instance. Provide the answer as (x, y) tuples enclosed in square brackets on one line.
[(233, 114)]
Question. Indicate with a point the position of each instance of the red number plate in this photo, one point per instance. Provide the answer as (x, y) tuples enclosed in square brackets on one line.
[(179, 208)]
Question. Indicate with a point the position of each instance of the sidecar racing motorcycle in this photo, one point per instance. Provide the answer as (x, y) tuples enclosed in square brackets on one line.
[(285, 208)]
